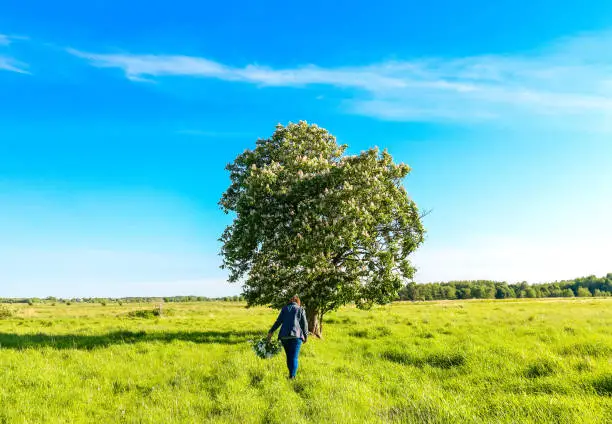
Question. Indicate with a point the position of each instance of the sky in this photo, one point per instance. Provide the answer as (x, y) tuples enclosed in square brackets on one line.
[(117, 120)]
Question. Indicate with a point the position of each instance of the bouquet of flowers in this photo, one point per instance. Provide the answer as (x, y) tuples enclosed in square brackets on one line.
[(266, 349)]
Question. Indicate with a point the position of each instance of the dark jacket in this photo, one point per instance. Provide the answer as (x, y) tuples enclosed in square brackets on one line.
[(292, 321)]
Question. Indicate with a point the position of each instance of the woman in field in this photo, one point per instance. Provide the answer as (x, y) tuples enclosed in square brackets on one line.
[(293, 332)]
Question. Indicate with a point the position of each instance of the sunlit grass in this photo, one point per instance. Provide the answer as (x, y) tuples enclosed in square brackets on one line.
[(464, 361)]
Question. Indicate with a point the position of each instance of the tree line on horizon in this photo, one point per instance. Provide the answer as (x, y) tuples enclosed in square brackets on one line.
[(486, 289), (121, 300), (590, 286)]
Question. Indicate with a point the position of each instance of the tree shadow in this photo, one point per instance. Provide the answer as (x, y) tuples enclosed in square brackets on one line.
[(95, 341)]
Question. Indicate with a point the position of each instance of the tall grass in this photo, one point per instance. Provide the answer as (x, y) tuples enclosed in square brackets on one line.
[(5, 312), (539, 361)]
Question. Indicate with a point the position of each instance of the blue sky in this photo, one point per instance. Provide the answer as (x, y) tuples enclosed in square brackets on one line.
[(116, 121)]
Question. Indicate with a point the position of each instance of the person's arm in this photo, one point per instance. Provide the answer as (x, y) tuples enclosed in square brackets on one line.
[(304, 325), (276, 324)]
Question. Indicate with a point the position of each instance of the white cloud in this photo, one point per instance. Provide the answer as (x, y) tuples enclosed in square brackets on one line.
[(571, 78), (138, 67)]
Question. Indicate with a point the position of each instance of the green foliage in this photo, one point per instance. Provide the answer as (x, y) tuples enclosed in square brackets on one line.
[(86, 364), (313, 221), (567, 293), (483, 289)]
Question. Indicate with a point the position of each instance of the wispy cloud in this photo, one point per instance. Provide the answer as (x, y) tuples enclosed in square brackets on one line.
[(143, 67), (8, 63), (571, 78)]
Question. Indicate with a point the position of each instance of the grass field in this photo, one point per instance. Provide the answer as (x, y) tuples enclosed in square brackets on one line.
[(462, 361)]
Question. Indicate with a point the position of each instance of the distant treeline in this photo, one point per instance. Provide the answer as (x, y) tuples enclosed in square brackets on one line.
[(484, 289), (104, 301), (476, 289)]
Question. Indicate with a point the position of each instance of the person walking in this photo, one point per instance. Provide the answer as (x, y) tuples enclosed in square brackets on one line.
[(293, 332)]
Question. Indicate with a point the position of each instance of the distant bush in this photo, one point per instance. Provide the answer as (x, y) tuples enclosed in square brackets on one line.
[(567, 293), (583, 292), (5, 312)]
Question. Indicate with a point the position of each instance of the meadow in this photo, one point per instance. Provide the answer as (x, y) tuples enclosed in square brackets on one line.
[(516, 361)]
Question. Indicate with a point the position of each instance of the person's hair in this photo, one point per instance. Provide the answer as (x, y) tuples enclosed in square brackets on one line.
[(296, 299)]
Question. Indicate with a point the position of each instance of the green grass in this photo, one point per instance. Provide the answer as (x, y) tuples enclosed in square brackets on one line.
[(544, 361)]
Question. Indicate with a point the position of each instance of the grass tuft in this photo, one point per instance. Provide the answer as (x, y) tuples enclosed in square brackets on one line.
[(149, 313), (596, 350), (371, 333), (6, 312), (541, 368), (443, 360), (603, 385)]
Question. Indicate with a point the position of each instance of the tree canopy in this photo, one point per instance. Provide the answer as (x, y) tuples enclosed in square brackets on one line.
[(314, 221)]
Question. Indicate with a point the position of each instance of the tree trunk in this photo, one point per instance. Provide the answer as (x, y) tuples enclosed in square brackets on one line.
[(315, 326)]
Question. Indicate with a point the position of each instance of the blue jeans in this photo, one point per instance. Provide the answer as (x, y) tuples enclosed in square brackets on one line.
[(292, 350)]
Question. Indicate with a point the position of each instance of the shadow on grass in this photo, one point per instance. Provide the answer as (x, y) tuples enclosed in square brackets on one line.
[(444, 360), (94, 341)]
